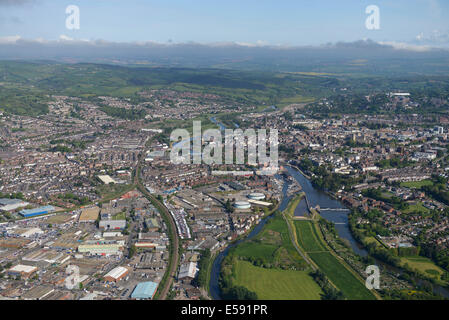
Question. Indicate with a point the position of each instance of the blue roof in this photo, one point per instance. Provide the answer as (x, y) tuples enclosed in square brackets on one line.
[(144, 290), (37, 211)]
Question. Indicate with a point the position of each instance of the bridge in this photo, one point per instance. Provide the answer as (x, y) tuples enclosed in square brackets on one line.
[(318, 209), (335, 209)]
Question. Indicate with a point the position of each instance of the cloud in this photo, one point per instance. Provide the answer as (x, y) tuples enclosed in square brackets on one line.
[(436, 37), (407, 46), (9, 39), (15, 2)]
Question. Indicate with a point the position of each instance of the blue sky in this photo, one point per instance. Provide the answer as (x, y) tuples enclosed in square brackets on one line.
[(285, 22)]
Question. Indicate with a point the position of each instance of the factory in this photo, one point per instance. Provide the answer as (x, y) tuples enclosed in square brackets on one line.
[(28, 213), (101, 249), (188, 271), (112, 224), (145, 290), (23, 271), (116, 274), (106, 179), (11, 204)]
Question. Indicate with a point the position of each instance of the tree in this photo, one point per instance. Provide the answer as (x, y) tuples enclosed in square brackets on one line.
[(132, 251)]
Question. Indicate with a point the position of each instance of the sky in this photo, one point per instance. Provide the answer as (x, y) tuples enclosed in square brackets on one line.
[(255, 22)]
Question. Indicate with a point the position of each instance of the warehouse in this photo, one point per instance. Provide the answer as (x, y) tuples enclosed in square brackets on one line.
[(106, 179), (116, 274), (188, 271), (145, 290), (27, 213), (11, 204), (22, 271), (101, 249), (112, 224)]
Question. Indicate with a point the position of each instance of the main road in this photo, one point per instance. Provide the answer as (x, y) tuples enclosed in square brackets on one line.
[(173, 234)]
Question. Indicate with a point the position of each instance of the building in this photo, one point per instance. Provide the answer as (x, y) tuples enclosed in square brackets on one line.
[(89, 214), (260, 203), (116, 274), (256, 196), (187, 271), (28, 213), (112, 224), (106, 179), (145, 290), (438, 130), (11, 204), (101, 249), (242, 205), (38, 293), (23, 271)]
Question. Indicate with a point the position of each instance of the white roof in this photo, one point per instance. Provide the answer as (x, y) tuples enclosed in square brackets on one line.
[(106, 179), (116, 272), (187, 270), (23, 268), (31, 232)]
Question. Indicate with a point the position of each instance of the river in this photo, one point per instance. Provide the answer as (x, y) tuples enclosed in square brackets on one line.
[(315, 197), (340, 218)]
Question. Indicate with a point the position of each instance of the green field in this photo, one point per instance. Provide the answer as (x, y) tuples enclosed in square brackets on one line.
[(275, 284), (307, 237), (416, 208), (119, 216), (337, 273), (271, 246), (416, 184), (424, 265), (352, 288), (293, 204)]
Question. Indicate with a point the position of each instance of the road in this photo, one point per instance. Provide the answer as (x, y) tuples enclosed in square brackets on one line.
[(174, 255)]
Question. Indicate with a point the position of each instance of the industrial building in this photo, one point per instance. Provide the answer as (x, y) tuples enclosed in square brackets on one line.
[(145, 290), (116, 274), (112, 224), (23, 271), (101, 249), (106, 179), (188, 271), (28, 213), (11, 204)]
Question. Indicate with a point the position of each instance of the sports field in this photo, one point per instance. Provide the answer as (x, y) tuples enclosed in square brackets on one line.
[(416, 184), (276, 284)]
